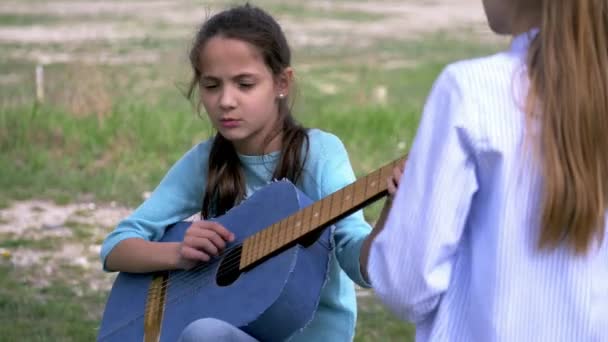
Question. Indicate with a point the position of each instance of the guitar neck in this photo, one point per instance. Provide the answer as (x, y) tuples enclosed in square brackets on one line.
[(317, 216)]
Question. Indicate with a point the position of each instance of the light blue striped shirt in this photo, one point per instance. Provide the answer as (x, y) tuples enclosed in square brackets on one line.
[(458, 254)]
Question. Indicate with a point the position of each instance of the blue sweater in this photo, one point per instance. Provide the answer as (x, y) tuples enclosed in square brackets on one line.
[(327, 169)]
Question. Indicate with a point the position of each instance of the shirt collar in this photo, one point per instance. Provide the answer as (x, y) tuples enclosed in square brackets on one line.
[(522, 41)]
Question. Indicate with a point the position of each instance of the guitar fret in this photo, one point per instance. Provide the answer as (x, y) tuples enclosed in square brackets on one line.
[(336, 204), (372, 184), (262, 246), (330, 208), (251, 249), (244, 259), (273, 238), (284, 231), (248, 248), (306, 218), (267, 243), (359, 192), (315, 215), (387, 171), (289, 229), (325, 207), (280, 234), (297, 228), (347, 201), (259, 245)]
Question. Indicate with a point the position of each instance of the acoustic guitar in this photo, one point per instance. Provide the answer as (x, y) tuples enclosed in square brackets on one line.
[(270, 276)]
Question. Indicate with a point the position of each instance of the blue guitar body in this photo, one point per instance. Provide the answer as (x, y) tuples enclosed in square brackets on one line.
[(270, 301)]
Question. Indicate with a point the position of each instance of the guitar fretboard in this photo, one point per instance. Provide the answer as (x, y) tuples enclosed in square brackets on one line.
[(317, 216)]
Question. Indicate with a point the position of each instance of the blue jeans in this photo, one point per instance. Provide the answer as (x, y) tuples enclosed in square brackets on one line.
[(211, 329)]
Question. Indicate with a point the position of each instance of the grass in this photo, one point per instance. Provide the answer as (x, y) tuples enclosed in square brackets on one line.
[(26, 19), (113, 131), (59, 150), (16, 242), (306, 12), (49, 314), (81, 231), (56, 313), (375, 323)]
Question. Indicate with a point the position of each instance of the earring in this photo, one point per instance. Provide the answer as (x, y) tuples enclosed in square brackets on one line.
[(281, 96)]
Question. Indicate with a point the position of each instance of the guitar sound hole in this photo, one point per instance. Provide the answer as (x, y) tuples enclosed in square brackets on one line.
[(229, 272)]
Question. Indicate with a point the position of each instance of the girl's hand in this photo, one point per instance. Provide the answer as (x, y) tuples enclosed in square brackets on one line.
[(202, 241), (393, 184), (393, 180)]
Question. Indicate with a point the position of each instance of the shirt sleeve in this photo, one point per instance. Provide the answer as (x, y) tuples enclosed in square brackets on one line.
[(411, 260), (351, 231), (177, 197)]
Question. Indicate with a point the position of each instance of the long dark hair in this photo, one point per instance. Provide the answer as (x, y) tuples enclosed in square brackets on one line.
[(225, 179)]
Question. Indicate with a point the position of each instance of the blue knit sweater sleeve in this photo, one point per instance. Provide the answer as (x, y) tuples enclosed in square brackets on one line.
[(177, 197), (333, 172)]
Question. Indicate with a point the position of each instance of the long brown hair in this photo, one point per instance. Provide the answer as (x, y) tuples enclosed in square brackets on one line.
[(568, 69), (225, 180)]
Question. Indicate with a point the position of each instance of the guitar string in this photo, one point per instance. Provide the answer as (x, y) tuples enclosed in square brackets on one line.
[(227, 263), (205, 265), (230, 261)]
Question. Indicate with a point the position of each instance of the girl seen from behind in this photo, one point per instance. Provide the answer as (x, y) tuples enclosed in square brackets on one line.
[(498, 231)]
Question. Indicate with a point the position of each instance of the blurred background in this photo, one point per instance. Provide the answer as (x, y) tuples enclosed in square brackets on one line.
[(93, 113)]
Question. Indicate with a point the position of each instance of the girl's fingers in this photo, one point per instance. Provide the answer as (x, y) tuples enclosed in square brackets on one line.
[(193, 254), (208, 247), (214, 238), (392, 188), (220, 230), (205, 244), (393, 182), (199, 227), (397, 172)]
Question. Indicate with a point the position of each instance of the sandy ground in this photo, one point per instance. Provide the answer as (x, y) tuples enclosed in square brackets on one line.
[(85, 22)]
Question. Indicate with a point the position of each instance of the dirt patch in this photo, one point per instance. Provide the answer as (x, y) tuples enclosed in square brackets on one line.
[(10, 78), (42, 34), (68, 254), (51, 238), (36, 217), (80, 8), (401, 20)]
